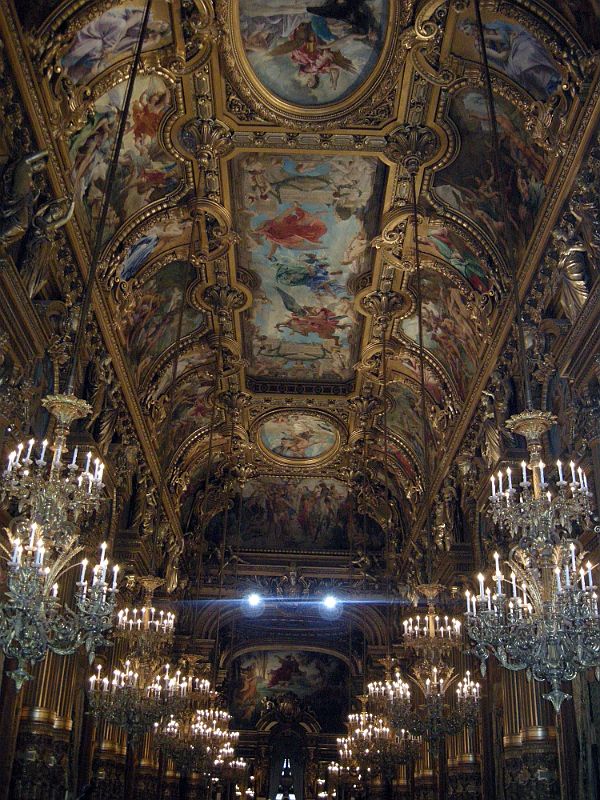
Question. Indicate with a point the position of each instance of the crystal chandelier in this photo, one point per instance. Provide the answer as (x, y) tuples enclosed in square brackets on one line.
[(33, 617), (134, 698), (146, 632), (51, 490), (391, 699), (429, 641), (542, 616), (185, 742), (547, 624)]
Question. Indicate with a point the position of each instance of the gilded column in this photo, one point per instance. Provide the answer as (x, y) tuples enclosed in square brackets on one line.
[(41, 765), (531, 755)]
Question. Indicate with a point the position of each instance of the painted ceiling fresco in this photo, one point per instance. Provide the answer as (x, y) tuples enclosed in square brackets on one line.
[(146, 173), (513, 51), (468, 184), (296, 178), (151, 323), (305, 223), (297, 436), (110, 37), (308, 515), (312, 54), (448, 330), (318, 679)]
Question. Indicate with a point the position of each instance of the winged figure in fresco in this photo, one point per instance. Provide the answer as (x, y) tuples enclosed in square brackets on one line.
[(309, 319), (310, 47)]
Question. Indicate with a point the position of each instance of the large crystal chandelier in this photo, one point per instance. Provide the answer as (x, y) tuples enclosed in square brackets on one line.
[(542, 615), (429, 641), (146, 631), (544, 618), (135, 697), (198, 742), (53, 488), (34, 618)]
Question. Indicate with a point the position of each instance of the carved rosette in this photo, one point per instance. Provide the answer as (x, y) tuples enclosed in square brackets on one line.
[(386, 305), (411, 146)]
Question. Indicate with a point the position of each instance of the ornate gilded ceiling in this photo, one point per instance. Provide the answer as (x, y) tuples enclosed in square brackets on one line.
[(264, 182)]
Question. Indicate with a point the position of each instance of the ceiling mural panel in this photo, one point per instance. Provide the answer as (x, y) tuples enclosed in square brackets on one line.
[(298, 436), (512, 50), (146, 172), (468, 185), (305, 224), (299, 515), (190, 410), (112, 36), (161, 236), (318, 679), (404, 417), (449, 329), (198, 357), (312, 55), (440, 241), (150, 323)]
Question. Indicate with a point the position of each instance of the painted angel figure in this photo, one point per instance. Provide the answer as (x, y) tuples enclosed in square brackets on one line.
[(305, 320), (309, 46)]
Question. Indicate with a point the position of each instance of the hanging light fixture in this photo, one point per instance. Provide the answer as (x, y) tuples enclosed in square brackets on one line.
[(54, 492), (34, 619), (543, 616), (429, 641)]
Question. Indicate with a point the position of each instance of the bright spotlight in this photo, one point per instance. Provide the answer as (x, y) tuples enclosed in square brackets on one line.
[(330, 602), (254, 600)]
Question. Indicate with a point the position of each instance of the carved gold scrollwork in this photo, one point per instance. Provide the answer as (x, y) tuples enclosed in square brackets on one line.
[(215, 229), (200, 34), (412, 145)]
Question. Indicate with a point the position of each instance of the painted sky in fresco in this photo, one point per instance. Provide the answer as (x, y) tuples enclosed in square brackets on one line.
[(110, 37), (311, 55), (319, 679), (297, 436), (305, 223)]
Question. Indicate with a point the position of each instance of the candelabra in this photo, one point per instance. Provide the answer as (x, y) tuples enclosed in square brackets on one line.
[(134, 698), (429, 641), (147, 633), (180, 741), (544, 616), (33, 618), (390, 699), (52, 491)]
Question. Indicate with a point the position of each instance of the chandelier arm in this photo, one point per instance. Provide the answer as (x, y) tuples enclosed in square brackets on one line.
[(107, 197)]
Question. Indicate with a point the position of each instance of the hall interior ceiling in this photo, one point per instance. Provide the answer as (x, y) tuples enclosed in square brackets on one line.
[(264, 183)]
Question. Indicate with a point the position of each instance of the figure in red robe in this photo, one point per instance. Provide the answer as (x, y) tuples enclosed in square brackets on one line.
[(288, 667), (295, 228)]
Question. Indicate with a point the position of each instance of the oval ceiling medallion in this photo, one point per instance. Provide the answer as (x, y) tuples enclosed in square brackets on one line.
[(297, 437), (294, 58)]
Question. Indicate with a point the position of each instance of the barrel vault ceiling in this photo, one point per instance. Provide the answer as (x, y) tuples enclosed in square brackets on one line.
[(263, 183)]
